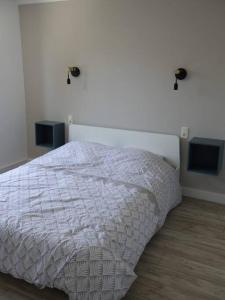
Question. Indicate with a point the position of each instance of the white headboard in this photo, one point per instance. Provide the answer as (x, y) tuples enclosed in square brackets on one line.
[(165, 145)]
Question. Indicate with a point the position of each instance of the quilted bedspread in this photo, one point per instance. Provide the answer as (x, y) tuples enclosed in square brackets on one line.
[(79, 217)]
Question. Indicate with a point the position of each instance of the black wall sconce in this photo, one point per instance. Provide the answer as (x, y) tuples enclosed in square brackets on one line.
[(74, 71), (180, 74)]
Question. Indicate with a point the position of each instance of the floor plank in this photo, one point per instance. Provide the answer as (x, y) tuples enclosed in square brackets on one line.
[(184, 261)]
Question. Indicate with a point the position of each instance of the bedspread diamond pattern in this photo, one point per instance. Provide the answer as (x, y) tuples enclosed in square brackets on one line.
[(79, 217)]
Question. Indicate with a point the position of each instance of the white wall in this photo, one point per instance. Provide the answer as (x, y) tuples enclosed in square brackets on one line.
[(128, 51), (12, 98)]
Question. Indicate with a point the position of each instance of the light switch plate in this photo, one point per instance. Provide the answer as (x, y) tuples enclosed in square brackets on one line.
[(70, 119), (184, 132)]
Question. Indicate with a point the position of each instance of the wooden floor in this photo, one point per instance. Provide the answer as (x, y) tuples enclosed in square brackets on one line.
[(185, 260)]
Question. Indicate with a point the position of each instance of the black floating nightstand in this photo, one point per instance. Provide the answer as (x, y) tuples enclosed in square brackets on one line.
[(206, 155), (50, 134)]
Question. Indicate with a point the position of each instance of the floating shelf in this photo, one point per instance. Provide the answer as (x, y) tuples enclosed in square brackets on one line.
[(206, 155), (50, 134)]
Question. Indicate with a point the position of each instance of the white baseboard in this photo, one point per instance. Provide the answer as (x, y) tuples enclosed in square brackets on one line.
[(12, 165), (204, 195)]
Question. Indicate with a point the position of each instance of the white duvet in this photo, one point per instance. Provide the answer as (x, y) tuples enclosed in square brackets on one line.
[(78, 218)]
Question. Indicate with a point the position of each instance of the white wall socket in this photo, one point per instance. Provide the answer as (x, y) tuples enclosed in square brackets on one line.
[(70, 119), (184, 132)]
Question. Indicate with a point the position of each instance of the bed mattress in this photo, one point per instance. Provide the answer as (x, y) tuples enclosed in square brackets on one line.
[(78, 218)]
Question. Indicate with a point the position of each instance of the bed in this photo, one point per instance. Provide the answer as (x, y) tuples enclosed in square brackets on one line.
[(78, 218)]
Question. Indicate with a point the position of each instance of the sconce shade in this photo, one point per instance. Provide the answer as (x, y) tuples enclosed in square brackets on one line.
[(175, 86), (68, 79)]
